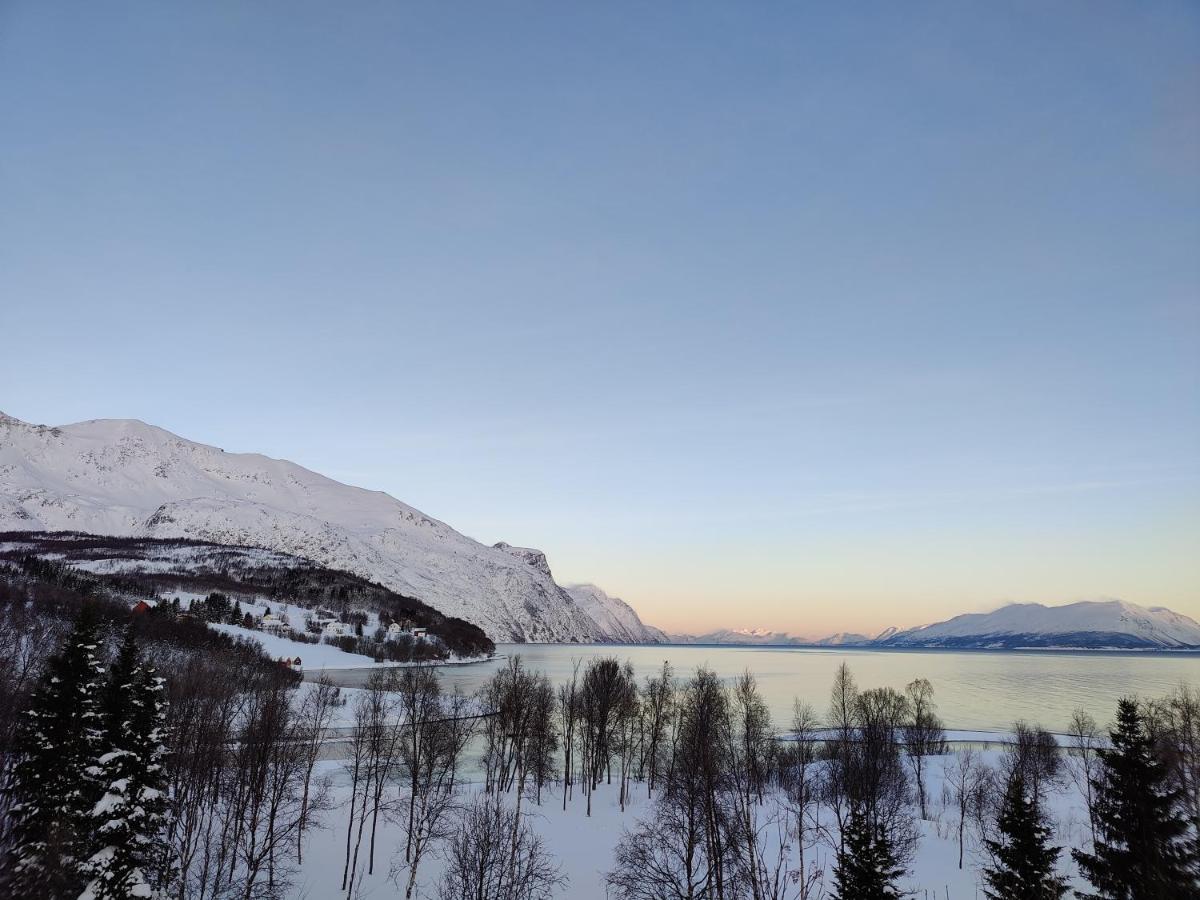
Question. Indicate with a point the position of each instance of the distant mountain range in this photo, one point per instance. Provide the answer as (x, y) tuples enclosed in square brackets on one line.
[(123, 477), (742, 636), (767, 638), (1093, 624), (1089, 624)]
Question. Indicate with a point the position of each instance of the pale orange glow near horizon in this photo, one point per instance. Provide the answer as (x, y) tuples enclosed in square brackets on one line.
[(902, 581)]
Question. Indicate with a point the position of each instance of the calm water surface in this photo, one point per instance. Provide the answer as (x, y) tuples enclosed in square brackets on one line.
[(983, 690), (974, 690)]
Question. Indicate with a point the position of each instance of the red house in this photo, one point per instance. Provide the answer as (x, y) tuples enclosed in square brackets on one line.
[(140, 607)]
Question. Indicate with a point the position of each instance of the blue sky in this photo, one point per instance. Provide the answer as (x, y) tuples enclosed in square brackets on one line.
[(757, 316)]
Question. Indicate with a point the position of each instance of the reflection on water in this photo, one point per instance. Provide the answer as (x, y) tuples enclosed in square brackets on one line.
[(982, 690)]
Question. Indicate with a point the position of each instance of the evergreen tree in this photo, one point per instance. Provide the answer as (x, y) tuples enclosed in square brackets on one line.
[(1023, 860), (52, 785), (867, 866), (1143, 850), (128, 823)]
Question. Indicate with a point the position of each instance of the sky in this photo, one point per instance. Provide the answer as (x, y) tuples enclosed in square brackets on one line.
[(811, 317)]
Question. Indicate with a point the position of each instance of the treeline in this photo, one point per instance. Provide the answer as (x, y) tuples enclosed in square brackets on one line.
[(739, 809), (401, 648), (39, 601), (232, 570), (85, 797), (134, 770), (734, 807)]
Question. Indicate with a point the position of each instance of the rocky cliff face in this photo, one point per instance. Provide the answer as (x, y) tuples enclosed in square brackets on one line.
[(616, 617), (124, 477)]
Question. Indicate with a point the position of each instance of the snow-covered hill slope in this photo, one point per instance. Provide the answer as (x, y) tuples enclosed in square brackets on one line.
[(1088, 624), (124, 477), (614, 616)]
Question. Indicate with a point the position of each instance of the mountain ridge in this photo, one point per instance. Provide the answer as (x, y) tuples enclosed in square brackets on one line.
[(1117, 624), (125, 477), (1084, 624)]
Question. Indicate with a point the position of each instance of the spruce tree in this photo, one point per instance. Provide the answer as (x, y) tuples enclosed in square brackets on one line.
[(1023, 860), (867, 865), (1143, 850), (52, 786), (128, 822)]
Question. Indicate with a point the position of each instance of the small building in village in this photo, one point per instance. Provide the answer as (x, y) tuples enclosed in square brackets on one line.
[(395, 629), (334, 628)]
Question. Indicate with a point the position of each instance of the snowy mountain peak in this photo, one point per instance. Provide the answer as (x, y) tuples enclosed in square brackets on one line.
[(126, 477)]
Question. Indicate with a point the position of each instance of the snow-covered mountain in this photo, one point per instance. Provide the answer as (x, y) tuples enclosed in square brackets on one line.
[(1088, 624), (614, 616), (766, 637), (124, 477), (1093, 624), (744, 636), (842, 639)]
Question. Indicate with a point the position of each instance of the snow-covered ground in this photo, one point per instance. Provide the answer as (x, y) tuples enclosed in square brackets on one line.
[(319, 657), (313, 656), (584, 846)]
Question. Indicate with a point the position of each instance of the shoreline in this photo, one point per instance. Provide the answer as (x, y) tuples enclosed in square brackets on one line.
[(318, 671), (1108, 651)]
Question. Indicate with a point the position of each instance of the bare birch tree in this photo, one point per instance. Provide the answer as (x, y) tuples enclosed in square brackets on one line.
[(315, 715), (494, 855), (924, 734), (432, 778), (1083, 762), (965, 782)]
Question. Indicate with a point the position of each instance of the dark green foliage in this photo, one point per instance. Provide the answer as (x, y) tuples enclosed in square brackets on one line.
[(1023, 862), (1143, 850), (867, 866), (300, 582), (53, 786), (128, 822)]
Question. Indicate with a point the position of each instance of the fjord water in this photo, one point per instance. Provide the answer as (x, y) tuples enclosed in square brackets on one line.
[(975, 690)]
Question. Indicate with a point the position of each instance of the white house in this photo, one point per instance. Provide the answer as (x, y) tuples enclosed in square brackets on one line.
[(336, 629), (394, 630), (273, 626)]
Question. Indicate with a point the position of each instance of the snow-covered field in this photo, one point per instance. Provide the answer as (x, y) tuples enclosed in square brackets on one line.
[(313, 656), (317, 657), (584, 846)]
